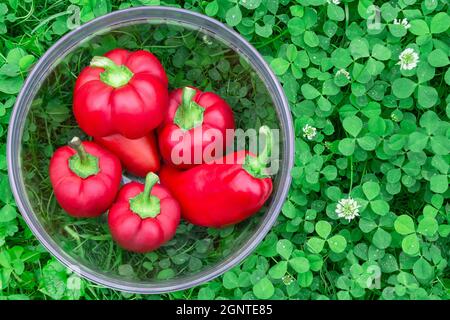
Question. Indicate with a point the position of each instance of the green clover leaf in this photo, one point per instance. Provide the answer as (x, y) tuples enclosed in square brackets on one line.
[(263, 289), (440, 23)]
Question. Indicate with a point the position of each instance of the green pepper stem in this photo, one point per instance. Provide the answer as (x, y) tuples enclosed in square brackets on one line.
[(114, 75), (187, 95), (150, 180), (76, 144), (256, 166), (82, 163), (266, 153), (189, 114), (144, 204)]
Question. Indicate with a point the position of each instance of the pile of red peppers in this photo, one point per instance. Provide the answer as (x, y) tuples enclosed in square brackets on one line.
[(122, 101)]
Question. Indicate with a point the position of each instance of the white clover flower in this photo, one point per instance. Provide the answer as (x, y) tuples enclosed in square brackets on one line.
[(404, 22), (394, 117), (343, 72), (336, 2), (287, 279), (408, 59), (347, 209), (309, 132)]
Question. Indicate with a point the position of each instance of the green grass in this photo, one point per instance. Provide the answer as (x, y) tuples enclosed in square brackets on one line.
[(382, 139)]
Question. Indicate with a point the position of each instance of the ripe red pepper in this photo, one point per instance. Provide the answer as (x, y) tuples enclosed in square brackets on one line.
[(190, 114), (143, 217), (122, 92), (85, 178), (218, 195), (138, 156)]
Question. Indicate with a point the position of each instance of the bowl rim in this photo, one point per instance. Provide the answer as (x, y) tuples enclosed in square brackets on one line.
[(121, 17)]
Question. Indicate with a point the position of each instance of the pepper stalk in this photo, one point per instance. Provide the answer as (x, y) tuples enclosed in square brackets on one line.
[(189, 114), (256, 166), (114, 75), (82, 163), (144, 204)]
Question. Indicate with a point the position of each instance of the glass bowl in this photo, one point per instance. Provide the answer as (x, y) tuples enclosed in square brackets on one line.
[(195, 50)]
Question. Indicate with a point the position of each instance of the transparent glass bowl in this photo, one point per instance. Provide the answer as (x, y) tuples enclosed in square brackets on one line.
[(195, 50)]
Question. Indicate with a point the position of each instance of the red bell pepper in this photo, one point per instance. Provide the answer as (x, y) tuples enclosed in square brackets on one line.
[(138, 156), (85, 178), (221, 194), (122, 92), (190, 114), (143, 217)]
